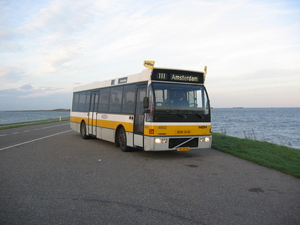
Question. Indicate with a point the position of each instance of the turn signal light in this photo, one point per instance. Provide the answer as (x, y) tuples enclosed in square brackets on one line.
[(151, 131)]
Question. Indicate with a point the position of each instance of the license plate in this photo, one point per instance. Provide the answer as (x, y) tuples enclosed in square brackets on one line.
[(183, 149)]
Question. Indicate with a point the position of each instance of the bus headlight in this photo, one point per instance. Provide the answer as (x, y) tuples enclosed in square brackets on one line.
[(204, 139), (161, 140)]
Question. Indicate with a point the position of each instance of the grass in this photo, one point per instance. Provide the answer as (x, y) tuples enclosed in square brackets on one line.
[(281, 158), (29, 123)]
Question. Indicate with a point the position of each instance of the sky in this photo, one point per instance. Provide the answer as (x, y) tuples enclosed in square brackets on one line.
[(48, 47)]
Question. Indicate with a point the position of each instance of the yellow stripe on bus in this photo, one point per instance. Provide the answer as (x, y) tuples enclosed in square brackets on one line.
[(177, 130), (76, 119), (103, 123)]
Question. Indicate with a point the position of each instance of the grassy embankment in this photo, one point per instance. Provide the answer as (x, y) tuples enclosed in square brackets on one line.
[(28, 123), (281, 158)]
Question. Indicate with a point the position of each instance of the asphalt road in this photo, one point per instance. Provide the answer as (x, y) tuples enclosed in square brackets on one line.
[(50, 175)]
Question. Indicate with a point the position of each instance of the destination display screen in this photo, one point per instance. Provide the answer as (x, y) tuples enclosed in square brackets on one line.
[(177, 76)]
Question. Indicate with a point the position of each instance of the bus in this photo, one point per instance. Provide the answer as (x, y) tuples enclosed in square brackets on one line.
[(158, 109)]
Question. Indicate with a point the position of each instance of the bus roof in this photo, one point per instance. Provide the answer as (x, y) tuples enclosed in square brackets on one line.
[(163, 74)]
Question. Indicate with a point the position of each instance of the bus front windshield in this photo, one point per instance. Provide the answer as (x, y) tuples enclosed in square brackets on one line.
[(180, 102)]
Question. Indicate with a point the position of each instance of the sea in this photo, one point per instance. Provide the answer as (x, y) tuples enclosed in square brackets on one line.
[(276, 125), (7, 117)]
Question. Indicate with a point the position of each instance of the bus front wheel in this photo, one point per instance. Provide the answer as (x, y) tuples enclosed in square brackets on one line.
[(122, 140), (83, 130)]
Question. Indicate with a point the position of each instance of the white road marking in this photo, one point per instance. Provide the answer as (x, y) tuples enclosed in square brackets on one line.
[(26, 142), (56, 125), (36, 129)]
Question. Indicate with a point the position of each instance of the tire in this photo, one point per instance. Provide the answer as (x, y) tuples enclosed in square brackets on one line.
[(122, 140), (83, 130)]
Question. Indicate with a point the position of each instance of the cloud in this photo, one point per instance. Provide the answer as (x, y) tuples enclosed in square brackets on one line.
[(47, 46), (30, 97), (26, 87), (68, 17), (58, 59), (8, 40), (29, 90), (45, 91), (11, 74), (13, 99)]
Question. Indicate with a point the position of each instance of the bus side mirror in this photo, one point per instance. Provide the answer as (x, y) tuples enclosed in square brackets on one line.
[(146, 102)]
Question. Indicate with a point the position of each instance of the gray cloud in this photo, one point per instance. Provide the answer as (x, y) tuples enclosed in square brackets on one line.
[(26, 87), (12, 74), (11, 99)]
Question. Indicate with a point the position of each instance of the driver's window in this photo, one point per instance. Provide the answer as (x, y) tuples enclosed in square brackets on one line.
[(192, 98), (160, 96)]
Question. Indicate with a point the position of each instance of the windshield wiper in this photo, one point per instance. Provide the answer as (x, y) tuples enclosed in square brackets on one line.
[(172, 112), (198, 114), (201, 116), (182, 116)]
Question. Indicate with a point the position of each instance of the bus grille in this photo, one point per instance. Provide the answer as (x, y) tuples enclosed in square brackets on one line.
[(177, 141)]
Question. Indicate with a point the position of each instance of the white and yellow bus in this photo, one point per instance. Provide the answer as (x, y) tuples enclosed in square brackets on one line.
[(156, 110)]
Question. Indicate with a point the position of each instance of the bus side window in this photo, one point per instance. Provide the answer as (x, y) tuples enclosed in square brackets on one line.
[(128, 99), (87, 102), (82, 101), (75, 102), (104, 100), (115, 99)]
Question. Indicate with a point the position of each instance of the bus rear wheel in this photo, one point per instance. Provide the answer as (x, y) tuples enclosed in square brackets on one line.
[(83, 130), (122, 140)]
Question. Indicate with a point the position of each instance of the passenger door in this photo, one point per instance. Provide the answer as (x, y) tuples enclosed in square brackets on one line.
[(139, 116), (93, 113)]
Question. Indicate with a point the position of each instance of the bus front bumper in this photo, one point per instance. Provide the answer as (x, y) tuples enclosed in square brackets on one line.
[(175, 143)]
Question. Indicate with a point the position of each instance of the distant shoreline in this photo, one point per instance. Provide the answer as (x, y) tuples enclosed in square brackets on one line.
[(51, 110)]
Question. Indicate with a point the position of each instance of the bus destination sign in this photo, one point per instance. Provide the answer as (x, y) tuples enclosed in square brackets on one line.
[(181, 77), (178, 76)]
